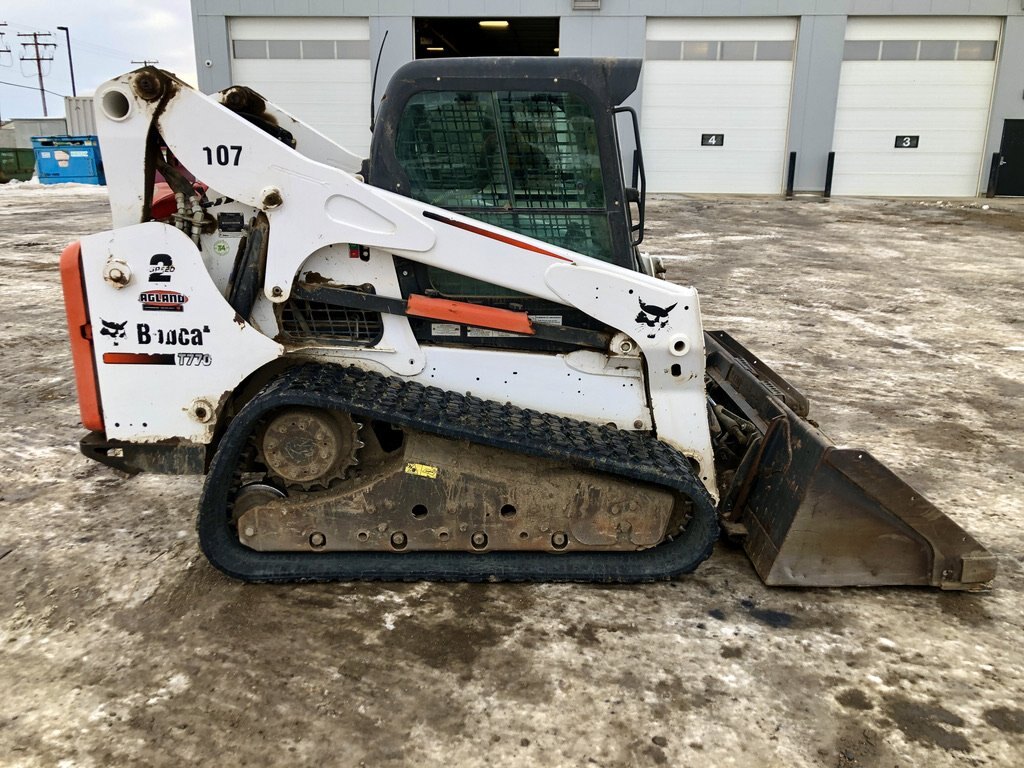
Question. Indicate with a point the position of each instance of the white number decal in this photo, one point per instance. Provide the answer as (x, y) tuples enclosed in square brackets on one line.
[(191, 359)]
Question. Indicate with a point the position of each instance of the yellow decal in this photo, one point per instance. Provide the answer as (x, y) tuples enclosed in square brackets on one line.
[(422, 470)]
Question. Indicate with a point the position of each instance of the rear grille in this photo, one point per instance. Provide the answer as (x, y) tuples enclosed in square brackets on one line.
[(303, 320)]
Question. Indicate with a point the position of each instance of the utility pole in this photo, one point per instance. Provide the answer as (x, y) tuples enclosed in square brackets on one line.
[(146, 62), (3, 49), (67, 36), (39, 58)]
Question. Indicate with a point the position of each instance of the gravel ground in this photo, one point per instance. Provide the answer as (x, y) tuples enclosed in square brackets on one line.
[(119, 645)]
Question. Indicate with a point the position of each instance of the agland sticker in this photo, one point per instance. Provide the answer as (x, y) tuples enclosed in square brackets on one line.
[(162, 301)]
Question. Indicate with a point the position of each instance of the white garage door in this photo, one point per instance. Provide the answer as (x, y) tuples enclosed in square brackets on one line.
[(316, 68), (914, 102), (716, 96)]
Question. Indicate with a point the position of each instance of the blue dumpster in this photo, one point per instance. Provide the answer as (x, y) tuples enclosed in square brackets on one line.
[(66, 159)]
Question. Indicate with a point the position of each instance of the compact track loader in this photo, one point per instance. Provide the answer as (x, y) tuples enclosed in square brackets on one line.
[(449, 360)]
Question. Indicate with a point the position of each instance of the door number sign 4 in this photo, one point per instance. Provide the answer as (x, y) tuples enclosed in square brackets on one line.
[(712, 139)]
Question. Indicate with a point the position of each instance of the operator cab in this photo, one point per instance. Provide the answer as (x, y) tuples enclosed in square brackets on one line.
[(526, 144)]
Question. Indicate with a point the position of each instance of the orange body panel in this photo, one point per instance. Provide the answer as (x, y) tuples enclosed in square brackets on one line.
[(80, 331), (465, 313)]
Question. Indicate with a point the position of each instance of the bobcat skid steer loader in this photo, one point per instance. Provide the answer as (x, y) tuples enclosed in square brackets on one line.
[(450, 360)]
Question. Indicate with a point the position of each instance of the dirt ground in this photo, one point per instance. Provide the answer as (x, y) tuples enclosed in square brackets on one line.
[(119, 645)]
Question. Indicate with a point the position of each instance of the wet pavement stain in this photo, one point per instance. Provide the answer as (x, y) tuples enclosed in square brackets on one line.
[(928, 724), (1005, 719), (966, 608), (772, 618), (585, 634), (854, 698), (861, 747)]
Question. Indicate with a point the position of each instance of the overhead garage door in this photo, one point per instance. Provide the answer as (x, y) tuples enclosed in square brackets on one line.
[(914, 100), (716, 95), (316, 68)]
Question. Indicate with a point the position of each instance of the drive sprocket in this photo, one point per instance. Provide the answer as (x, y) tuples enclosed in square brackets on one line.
[(308, 448)]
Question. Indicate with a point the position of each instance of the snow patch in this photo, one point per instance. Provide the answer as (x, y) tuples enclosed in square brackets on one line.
[(176, 684)]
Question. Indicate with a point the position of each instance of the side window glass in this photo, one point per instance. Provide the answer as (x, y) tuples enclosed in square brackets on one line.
[(552, 150), (528, 162), (449, 146)]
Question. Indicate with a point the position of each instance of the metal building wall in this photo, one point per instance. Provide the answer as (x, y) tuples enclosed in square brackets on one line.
[(1008, 95), (618, 29), (18, 133), (812, 114), (78, 111)]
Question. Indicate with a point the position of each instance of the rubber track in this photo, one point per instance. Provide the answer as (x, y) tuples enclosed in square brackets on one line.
[(410, 404)]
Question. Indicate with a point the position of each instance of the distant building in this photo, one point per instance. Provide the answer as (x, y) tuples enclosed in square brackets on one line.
[(914, 97), (18, 133)]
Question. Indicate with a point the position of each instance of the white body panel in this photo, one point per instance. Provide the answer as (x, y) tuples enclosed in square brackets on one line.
[(156, 366), (747, 101), (944, 103), (314, 211), (581, 385)]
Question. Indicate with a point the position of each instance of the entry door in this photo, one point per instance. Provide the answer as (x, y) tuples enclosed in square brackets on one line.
[(1011, 159)]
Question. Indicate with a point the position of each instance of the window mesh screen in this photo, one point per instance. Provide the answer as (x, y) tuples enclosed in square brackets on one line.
[(448, 145), (524, 161)]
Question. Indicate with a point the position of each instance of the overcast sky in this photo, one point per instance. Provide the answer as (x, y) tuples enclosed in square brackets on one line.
[(105, 37)]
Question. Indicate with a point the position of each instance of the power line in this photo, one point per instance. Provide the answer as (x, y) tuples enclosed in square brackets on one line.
[(38, 59), (32, 88), (3, 47), (95, 47)]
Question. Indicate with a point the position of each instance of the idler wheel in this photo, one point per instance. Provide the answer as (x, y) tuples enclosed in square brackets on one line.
[(253, 495)]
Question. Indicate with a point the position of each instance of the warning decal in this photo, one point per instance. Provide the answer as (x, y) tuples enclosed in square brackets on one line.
[(421, 470)]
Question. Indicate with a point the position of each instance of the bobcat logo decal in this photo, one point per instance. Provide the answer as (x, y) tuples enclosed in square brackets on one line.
[(114, 330), (655, 318)]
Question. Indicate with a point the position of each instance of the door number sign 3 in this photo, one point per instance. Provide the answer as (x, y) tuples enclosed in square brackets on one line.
[(907, 142), (712, 139)]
